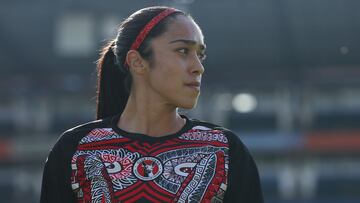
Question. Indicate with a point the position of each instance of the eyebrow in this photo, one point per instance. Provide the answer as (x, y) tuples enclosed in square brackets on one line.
[(190, 42)]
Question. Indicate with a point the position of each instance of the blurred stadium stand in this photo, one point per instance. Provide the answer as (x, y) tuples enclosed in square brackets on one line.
[(284, 75)]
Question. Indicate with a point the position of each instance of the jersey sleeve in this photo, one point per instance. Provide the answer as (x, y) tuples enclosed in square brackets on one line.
[(56, 182), (243, 180)]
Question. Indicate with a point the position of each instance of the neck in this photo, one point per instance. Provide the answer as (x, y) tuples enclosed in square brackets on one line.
[(146, 115)]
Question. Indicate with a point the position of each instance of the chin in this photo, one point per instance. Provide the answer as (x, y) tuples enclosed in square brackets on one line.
[(188, 105)]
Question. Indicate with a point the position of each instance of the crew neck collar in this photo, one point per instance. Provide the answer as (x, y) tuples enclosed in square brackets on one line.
[(139, 136)]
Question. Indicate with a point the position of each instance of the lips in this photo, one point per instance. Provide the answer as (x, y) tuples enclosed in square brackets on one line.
[(193, 84)]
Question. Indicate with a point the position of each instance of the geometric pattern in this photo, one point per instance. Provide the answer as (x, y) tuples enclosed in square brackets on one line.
[(192, 167)]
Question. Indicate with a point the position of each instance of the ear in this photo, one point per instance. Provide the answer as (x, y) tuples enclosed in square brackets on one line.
[(136, 62)]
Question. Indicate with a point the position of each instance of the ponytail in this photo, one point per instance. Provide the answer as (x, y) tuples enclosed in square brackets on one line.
[(112, 92)]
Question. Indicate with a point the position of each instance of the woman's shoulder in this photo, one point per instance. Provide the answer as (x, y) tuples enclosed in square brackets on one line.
[(73, 135), (101, 123), (205, 125), (68, 141)]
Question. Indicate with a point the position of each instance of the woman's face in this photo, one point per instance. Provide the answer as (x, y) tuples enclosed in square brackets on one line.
[(176, 67)]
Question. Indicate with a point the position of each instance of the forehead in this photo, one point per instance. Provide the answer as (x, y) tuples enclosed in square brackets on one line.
[(183, 27)]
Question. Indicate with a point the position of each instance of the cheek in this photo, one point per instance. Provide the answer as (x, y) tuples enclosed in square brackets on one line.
[(169, 72), (169, 85), (167, 81)]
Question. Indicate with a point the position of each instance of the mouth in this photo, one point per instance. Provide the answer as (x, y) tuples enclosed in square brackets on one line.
[(194, 85)]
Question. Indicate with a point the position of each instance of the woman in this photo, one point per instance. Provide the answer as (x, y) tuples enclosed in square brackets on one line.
[(141, 149)]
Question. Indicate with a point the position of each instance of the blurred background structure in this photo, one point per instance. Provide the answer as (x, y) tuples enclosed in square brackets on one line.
[(283, 74)]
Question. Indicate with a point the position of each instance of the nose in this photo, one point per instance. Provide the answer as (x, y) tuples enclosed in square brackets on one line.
[(197, 67)]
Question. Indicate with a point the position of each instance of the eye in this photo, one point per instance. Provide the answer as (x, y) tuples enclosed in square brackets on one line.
[(183, 50)]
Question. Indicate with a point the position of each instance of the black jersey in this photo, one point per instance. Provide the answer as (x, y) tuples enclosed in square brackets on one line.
[(99, 162)]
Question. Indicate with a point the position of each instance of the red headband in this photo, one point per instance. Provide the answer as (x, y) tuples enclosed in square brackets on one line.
[(148, 27)]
